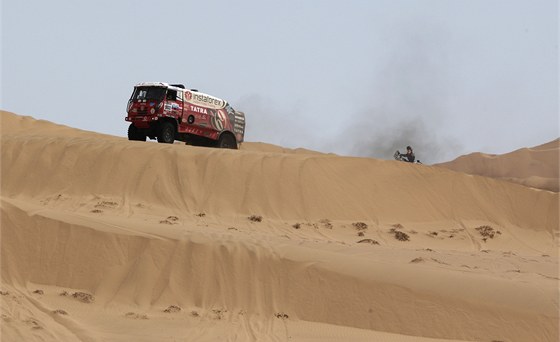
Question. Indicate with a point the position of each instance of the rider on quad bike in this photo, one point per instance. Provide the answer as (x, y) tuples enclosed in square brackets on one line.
[(408, 157)]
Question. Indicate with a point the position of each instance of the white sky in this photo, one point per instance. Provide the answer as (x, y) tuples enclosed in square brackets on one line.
[(351, 77)]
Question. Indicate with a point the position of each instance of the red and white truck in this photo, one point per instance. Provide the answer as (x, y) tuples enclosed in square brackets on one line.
[(169, 112)]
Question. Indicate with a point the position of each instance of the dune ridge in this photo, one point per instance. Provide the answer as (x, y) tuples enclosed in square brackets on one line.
[(536, 167), (142, 226), (287, 186)]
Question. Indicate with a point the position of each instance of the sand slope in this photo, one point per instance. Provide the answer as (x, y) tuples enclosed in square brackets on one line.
[(143, 226), (537, 167)]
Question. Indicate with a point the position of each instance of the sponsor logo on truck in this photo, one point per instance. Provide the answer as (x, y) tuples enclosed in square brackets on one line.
[(207, 101)]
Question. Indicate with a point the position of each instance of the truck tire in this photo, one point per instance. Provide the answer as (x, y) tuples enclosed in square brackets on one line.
[(166, 133), (135, 134), (227, 141)]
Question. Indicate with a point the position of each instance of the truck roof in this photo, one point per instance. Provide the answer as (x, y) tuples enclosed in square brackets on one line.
[(157, 84), (201, 98)]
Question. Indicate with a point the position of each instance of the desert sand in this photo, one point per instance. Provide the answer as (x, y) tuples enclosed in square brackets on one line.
[(103, 239), (535, 167)]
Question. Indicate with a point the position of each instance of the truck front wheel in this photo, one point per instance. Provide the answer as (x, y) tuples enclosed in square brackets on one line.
[(135, 134), (166, 133)]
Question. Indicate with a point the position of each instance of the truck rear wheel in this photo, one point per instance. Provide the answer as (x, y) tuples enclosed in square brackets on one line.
[(227, 141), (135, 134), (166, 133)]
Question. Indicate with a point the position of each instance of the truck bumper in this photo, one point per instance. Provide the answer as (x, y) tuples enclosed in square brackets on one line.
[(142, 121)]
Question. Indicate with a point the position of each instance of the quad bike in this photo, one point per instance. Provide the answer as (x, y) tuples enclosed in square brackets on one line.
[(402, 157)]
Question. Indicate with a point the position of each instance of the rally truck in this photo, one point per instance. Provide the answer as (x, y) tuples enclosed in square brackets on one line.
[(169, 112)]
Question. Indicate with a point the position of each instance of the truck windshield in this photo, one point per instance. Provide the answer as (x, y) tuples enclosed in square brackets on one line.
[(148, 93)]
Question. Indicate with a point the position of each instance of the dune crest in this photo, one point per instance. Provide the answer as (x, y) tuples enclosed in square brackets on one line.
[(104, 239), (536, 167)]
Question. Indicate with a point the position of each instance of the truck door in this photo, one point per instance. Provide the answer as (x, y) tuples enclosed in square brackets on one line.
[(175, 103), (181, 105)]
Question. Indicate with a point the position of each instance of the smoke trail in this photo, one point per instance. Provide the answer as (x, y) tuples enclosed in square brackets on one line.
[(407, 104), (284, 124), (381, 141)]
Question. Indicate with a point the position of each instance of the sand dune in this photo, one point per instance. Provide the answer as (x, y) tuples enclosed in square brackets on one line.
[(109, 240), (537, 167)]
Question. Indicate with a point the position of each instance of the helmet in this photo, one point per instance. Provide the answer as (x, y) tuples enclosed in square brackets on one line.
[(409, 148)]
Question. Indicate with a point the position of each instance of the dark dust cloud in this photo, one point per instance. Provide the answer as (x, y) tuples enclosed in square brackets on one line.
[(406, 104)]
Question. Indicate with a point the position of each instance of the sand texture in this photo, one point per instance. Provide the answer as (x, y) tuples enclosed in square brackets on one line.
[(103, 239), (535, 167)]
